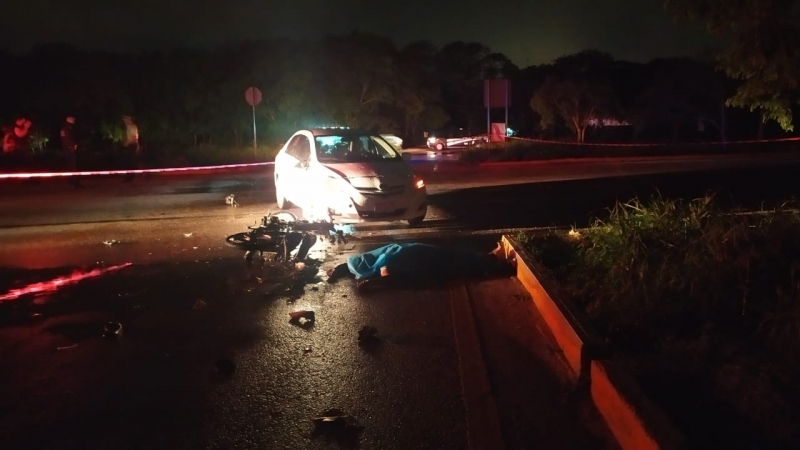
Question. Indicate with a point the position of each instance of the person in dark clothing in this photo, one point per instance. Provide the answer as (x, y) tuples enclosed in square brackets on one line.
[(69, 144)]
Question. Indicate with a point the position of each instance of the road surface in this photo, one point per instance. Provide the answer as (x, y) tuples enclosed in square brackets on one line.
[(155, 386)]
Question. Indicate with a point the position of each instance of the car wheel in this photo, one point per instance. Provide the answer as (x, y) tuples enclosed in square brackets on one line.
[(439, 146), (416, 221), (281, 199)]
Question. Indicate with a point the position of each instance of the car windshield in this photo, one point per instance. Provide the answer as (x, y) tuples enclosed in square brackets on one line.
[(354, 148)]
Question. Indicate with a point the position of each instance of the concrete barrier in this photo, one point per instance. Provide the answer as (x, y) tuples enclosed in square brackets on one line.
[(636, 422)]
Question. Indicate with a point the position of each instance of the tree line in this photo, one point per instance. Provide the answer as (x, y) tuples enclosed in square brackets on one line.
[(186, 98)]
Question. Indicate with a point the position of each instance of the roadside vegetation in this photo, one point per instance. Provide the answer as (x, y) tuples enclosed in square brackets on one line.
[(703, 306)]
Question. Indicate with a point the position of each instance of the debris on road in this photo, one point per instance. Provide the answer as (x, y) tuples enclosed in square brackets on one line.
[(188, 234), (307, 350), (296, 316), (367, 333), (199, 304), (231, 200), (112, 330), (225, 366), (335, 421), (67, 347), (112, 242)]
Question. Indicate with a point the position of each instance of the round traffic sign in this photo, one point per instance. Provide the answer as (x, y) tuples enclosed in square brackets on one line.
[(253, 96)]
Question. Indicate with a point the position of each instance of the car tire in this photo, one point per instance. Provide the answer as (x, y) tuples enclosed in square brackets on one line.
[(439, 146), (283, 203), (416, 221)]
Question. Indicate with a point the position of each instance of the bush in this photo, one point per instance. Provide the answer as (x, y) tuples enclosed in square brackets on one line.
[(695, 296)]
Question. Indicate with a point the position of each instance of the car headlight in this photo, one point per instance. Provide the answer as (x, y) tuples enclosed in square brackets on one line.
[(431, 140)]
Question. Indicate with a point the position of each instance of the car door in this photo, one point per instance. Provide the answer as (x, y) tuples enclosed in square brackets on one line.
[(293, 170)]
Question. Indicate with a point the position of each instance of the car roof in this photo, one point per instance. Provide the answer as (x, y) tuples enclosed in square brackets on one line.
[(338, 131)]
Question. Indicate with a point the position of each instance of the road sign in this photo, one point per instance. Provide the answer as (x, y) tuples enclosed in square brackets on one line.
[(253, 96)]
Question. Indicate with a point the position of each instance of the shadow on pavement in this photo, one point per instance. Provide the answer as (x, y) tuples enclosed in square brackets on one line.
[(567, 203)]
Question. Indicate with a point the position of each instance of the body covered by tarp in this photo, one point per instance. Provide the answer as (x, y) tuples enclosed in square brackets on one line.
[(416, 260)]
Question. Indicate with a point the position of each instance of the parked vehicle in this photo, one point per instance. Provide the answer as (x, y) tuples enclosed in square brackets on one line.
[(456, 137), (396, 142), (347, 176)]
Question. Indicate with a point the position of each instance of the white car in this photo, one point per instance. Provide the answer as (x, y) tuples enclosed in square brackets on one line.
[(396, 142), (347, 176)]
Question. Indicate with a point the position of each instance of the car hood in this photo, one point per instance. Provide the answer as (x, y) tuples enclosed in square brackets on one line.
[(355, 172)]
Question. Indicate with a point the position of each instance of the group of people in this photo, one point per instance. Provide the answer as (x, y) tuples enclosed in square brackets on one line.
[(16, 144)]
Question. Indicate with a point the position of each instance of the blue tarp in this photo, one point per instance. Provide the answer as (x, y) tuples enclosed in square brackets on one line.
[(419, 261)]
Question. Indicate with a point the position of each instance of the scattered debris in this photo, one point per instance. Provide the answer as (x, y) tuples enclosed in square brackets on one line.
[(225, 366), (307, 350), (367, 333), (231, 200), (67, 347), (112, 242), (112, 330), (195, 248), (335, 420), (188, 234), (304, 314), (199, 304), (260, 280)]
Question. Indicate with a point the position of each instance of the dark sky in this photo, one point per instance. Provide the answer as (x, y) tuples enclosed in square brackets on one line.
[(527, 31)]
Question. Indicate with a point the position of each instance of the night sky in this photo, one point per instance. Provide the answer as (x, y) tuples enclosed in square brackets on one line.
[(527, 31)]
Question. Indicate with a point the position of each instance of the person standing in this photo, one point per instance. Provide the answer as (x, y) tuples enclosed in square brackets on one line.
[(69, 144), (131, 148)]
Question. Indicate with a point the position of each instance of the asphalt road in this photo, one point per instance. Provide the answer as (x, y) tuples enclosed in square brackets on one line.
[(156, 387)]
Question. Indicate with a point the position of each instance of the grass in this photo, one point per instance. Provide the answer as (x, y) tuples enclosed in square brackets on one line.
[(689, 293)]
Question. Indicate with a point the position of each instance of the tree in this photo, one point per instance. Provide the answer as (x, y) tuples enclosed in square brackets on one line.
[(682, 90), (575, 101), (763, 50)]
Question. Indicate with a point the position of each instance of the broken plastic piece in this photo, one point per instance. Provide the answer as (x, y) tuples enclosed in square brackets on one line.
[(297, 315), (335, 420), (111, 242), (112, 330), (231, 200), (307, 350), (199, 304), (188, 234), (367, 333)]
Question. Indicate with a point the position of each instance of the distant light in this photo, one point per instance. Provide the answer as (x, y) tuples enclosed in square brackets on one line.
[(510, 132), (420, 184)]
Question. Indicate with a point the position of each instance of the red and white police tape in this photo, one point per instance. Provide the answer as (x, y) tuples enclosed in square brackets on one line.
[(22, 176)]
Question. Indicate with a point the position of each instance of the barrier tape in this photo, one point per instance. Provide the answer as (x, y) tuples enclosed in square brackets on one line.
[(659, 144), (22, 176)]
